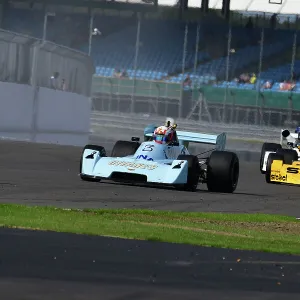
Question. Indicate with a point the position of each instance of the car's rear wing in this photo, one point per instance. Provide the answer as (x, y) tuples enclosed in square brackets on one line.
[(203, 138), (186, 137)]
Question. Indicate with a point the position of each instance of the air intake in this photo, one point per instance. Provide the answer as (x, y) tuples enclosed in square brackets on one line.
[(128, 177)]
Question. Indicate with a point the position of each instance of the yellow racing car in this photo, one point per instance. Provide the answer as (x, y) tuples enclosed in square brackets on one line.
[(283, 166)]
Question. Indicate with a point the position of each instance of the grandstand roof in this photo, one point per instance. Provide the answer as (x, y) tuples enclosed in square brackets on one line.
[(287, 7)]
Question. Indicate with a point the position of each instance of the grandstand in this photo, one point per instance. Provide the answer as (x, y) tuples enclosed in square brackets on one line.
[(161, 42), (160, 47), (162, 54)]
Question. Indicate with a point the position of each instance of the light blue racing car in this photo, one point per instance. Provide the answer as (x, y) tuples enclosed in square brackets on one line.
[(163, 158)]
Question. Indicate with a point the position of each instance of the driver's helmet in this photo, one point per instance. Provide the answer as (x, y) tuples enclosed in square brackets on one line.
[(163, 135)]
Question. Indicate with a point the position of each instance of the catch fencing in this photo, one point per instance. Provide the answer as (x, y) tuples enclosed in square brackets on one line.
[(27, 60), (45, 90), (213, 54)]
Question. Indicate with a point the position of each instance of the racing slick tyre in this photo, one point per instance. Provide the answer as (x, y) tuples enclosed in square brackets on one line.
[(193, 173), (222, 172), (289, 155), (102, 153), (124, 148), (272, 156), (265, 148)]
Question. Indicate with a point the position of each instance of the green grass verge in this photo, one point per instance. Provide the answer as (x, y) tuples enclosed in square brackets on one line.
[(271, 233)]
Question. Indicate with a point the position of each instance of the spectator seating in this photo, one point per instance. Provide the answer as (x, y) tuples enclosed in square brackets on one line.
[(282, 72), (160, 51), (241, 59), (160, 45), (275, 75)]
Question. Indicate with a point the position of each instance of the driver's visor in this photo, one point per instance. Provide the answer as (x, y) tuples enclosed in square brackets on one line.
[(159, 138)]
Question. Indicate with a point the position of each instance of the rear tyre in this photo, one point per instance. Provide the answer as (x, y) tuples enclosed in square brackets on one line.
[(124, 148), (265, 148), (271, 158), (222, 172), (193, 173), (95, 148)]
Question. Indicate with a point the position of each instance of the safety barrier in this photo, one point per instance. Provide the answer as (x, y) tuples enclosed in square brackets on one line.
[(43, 115)]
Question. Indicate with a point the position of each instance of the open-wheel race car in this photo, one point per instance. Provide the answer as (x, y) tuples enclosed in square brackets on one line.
[(163, 158), (280, 162)]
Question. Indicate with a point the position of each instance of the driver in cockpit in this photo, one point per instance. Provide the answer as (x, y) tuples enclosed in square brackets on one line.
[(292, 141), (166, 134), (170, 123)]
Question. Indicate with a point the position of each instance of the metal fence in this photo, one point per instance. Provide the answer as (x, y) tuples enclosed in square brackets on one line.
[(192, 69), (27, 60)]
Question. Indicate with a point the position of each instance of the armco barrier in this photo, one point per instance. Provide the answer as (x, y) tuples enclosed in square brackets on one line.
[(43, 115), (61, 111), (16, 105)]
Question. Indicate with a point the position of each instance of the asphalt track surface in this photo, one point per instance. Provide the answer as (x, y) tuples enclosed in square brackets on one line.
[(38, 265), (43, 174)]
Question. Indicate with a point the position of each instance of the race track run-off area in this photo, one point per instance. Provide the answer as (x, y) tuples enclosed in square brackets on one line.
[(48, 265), (43, 174)]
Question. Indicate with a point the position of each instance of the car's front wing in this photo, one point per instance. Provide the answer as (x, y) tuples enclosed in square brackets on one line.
[(130, 169)]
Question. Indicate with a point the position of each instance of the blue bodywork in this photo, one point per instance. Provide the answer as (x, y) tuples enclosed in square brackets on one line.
[(156, 163)]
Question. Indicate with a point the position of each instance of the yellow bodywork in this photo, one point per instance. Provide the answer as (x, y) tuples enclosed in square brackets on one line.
[(282, 173)]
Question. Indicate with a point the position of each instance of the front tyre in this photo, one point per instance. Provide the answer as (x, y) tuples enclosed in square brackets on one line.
[(222, 172)]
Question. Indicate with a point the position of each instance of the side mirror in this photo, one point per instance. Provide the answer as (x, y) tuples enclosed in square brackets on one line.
[(135, 139), (285, 133)]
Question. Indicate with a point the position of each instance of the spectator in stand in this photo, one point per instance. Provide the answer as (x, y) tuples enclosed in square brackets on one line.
[(286, 86), (253, 79), (267, 85), (244, 78), (124, 74), (117, 73), (187, 81)]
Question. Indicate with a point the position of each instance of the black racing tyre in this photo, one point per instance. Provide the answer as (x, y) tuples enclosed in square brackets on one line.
[(102, 153), (193, 173), (289, 155), (124, 148), (271, 157), (267, 147), (222, 172)]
